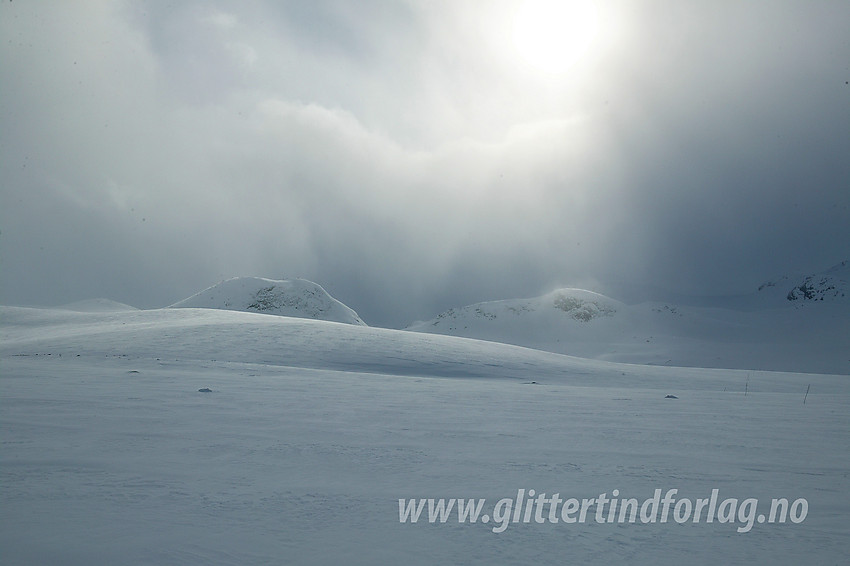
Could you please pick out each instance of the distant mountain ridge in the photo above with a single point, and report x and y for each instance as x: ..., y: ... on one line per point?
x: 576, y: 304
x: 288, y: 297
x: 760, y: 330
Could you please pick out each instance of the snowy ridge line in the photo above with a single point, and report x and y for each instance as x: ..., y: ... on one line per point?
x: 208, y: 336
x: 762, y: 333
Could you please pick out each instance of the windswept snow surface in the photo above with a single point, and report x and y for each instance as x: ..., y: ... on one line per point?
x: 767, y: 331
x: 289, y: 297
x: 314, y: 430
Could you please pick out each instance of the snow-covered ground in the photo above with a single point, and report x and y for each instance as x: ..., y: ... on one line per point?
x: 313, y: 430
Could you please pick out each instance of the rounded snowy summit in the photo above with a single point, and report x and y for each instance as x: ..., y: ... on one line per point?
x: 288, y: 297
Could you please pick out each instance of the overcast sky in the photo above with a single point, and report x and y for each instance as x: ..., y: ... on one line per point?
x: 406, y: 156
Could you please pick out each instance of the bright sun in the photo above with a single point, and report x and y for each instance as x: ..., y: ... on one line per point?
x: 552, y: 35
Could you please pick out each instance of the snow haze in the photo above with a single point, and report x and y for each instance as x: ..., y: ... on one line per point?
x: 404, y: 157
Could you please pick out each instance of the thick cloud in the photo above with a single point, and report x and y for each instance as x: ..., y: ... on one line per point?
x: 402, y: 156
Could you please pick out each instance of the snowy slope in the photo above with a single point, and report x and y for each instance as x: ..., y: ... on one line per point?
x: 831, y: 285
x: 212, y: 334
x: 763, y: 333
x: 313, y: 430
x: 97, y: 305
x: 288, y: 297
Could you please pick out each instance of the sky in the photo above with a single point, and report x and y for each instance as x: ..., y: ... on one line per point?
x: 411, y: 156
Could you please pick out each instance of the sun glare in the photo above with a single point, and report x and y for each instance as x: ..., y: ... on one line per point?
x: 551, y: 35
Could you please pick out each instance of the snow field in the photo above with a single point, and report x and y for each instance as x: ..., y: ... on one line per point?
x: 314, y: 430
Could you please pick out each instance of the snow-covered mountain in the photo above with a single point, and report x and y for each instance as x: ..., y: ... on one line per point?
x: 289, y: 297
x: 548, y: 322
x: 760, y: 331
x: 831, y: 285
x: 576, y: 304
